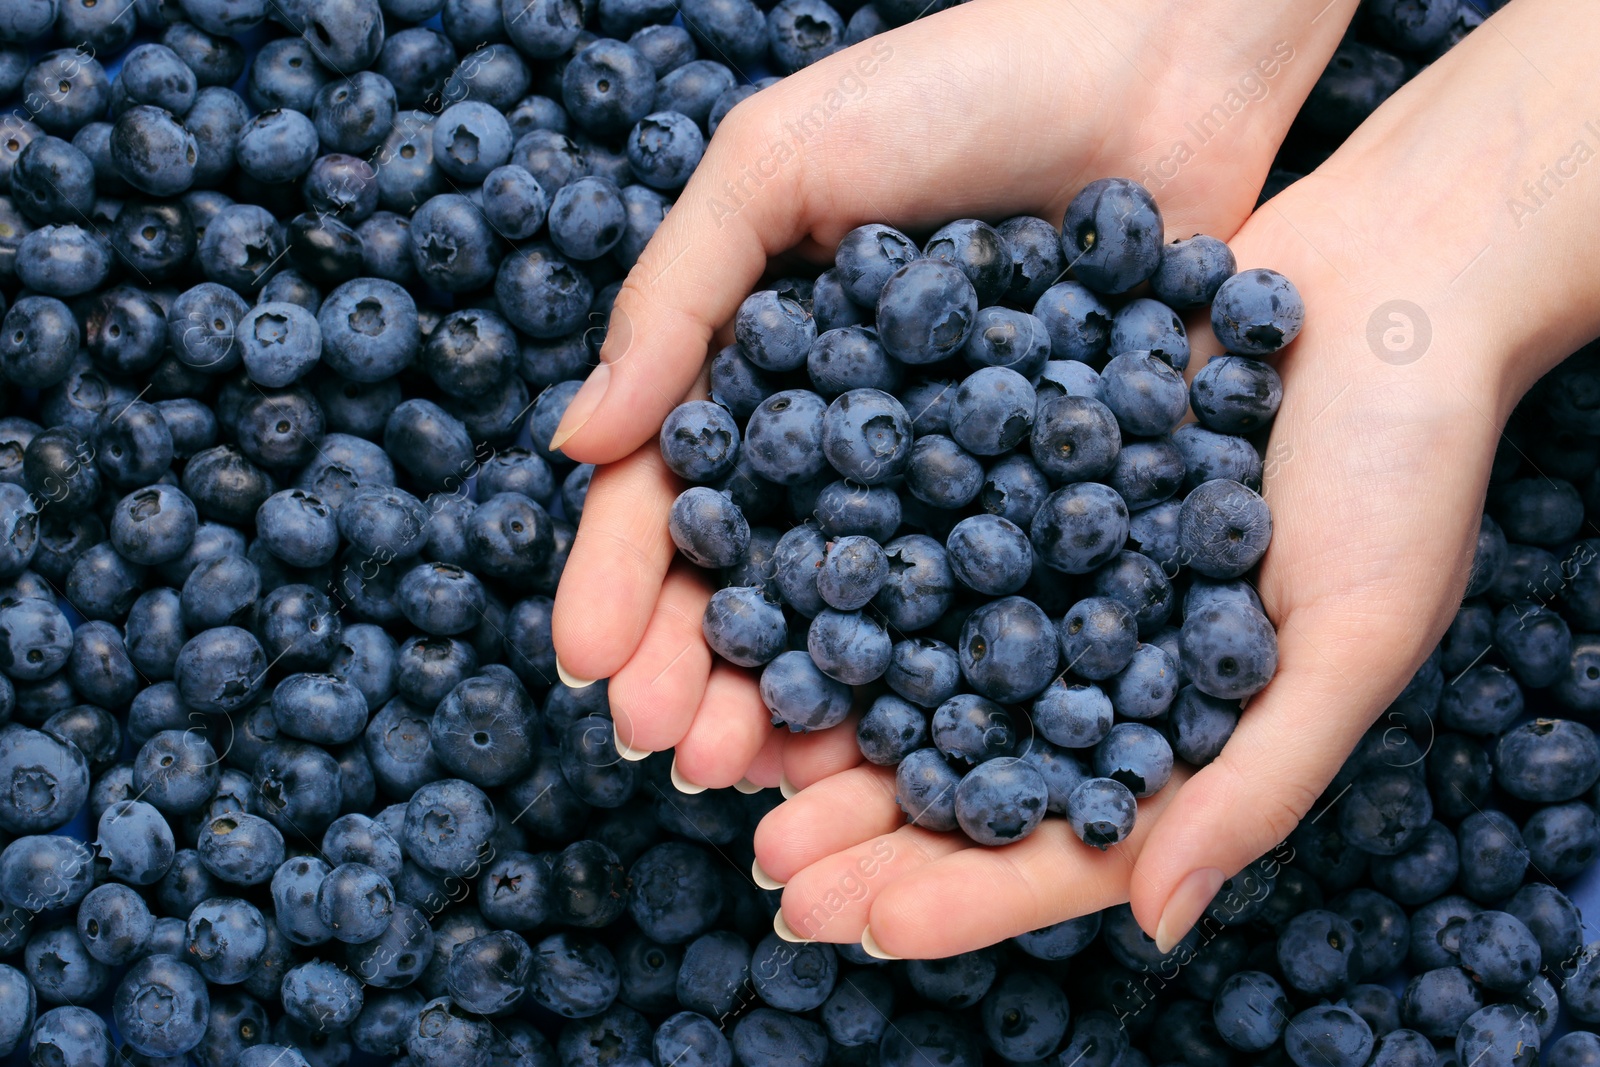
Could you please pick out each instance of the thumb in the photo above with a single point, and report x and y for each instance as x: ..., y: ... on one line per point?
x: 710, y: 250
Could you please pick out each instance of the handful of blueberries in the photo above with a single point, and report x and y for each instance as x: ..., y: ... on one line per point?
x: 1001, y: 520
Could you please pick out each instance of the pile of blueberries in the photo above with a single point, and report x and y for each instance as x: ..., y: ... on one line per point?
x: 294, y: 293
x: 928, y: 486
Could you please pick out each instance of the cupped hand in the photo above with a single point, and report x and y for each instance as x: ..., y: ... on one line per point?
x: 987, y: 110
x: 1395, y: 395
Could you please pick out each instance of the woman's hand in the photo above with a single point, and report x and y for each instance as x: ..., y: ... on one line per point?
x: 1432, y: 306
x: 991, y: 109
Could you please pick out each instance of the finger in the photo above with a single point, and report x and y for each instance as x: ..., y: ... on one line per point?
x: 1289, y: 743
x: 613, y: 576
x: 832, y: 899
x: 979, y: 896
x: 701, y: 262
x: 835, y: 814
x: 655, y: 694
x: 811, y: 757
x: 766, y: 770
x: 729, y: 728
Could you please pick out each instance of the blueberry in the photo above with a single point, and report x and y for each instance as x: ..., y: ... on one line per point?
x: 925, y: 310
x: 1319, y: 953
x: 664, y: 149
x: 153, y: 152
x: 226, y: 939
x: 1080, y: 527
x: 990, y: 554
x: 1250, y: 1011
x: 1191, y: 271
x: 240, y: 848
x: 608, y: 86
x: 161, y: 1006
x: 941, y: 473
x: 849, y: 647
x: 1112, y: 235
x: 1001, y: 801
x: 1577, y: 1049
x: 925, y: 788
x: 321, y: 996
x: 1146, y: 325
x: 1145, y: 394
x: 1547, y: 760
x: 1257, y: 312
x: 1101, y: 811
x: 70, y: 1035
x: 774, y: 332
x: 1008, y: 649
x: 1535, y: 641
x: 866, y: 436
x: 783, y: 439
x: 587, y: 218
x: 1075, y: 439
x: 1228, y: 653
x: 850, y: 357
x: 1147, y: 686
x: 487, y: 974
x: 1236, y: 394
x: 1328, y: 1034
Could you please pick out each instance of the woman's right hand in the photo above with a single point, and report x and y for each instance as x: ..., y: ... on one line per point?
x: 991, y: 109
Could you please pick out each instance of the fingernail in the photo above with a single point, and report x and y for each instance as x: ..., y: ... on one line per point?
x: 626, y: 751
x: 682, y: 784
x: 780, y: 926
x: 570, y: 680
x: 583, y: 406
x: 746, y: 786
x: 762, y: 878
x: 787, y: 788
x: 870, y: 946
x: 1184, y: 908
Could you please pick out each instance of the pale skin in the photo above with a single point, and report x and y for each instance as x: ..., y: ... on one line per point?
x: 1376, y: 468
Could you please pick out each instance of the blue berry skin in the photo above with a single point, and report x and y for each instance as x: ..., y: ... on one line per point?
x: 708, y: 527
x: 941, y: 473
x: 1136, y: 755
x: 1075, y: 439
x: 1319, y: 954
x: 1078, y: 322
x: 783, y: 439
x: 1562, y: 839
x: 1099, y: 637
x: 487, y: 974
x: 70, y: 1035
x: 925, y: 789
x: 240, y: 848
x: 978, y: 250
x: 1073, y: 715
x: 114, y: 924
x: 1257, y: 312
x: 1535, y: 641
x: 355, y: 903
x: 587, y: 218
x: 849, y: 647
x: 714, y: 973
x: 607, y: 87
x: 1577, y: 1049
x: 1147, y: 396
x: 1112, y: 235
x: 1223, y: 528
x: 1493, y: 855
x: 1192, y: 270
x: 867, y: 256
x: 1483, y: 700
x: 135, y: 841
x: 1146, y: 325
x: 1034, y: 250
x: 866, y: 436
x: 1001, y: 801
x: 664, y: 149
x: 447, y: 827
x: 852, y: 572
x: 1499, y: 952
x: 1250, y: 1011
x: 925, y: 312
x: 765, y: 1037
x: 514, y: 202
x: 990, y: 554
x: 970, y: 728
x: 692, y: 1040
x: 891, y: 729
x: 153, y: 152
x: 1008, y: 649
x: 1581, y: 993
x: 1101, y: 811
x: 220, y: 670
x: 573, y: 975
x: 1146, y: 687
x: 850, y: 357
x: 793, y: 978
x: 1236, y: 394
x: 1014, y: 488
x: 1139, y: 583
x: 700, y: 442
x: 320, y: 708
x: 1228, y: 652
x: 1208, y: 455
x: 738, y: 384
x: 744, y: 627
x: 226, y: 939
x: 924, y: 671
x: 802, y: 697
x: 161, y: 1006
x: 1068, y: 377
x: 44, y: 872
x: 279, y: 343
x: 774, y: 332
x: 1062, y: 772
x: 1547, y: 760
x: 541, y: 294
x: 992, y: 411
x: 1199, y: 725
x: 796, y: 560
x: 1080, y: 527
x: 1328, y: 1034
x: 674, y: 893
